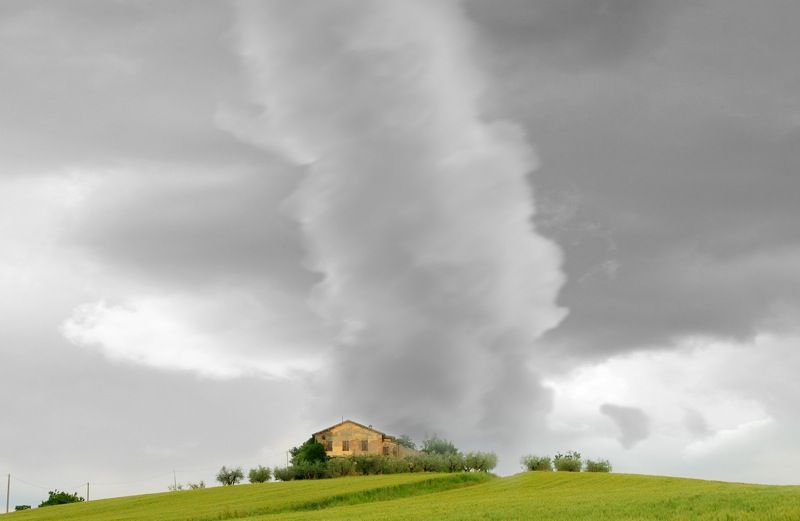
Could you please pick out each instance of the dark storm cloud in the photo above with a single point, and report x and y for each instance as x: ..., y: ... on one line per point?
x: 669, y: 160
x: 318, y: 214
x: 572, y: 33
x: 633, y: 423
x: 446, y: 280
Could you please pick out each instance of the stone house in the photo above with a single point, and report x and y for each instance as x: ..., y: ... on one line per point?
x: 349, y: 438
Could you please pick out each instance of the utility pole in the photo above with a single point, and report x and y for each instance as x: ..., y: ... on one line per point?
x: 287, y: 459
x: 174, y: 480
x: 87, y: 491
x: 8, y: 492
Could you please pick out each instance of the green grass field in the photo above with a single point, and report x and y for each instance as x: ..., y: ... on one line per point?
x: 531, y: 495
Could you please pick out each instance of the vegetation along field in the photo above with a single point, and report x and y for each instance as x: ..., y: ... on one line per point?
x: 530, y: 495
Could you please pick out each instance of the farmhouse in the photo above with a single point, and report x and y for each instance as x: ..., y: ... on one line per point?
x: 349, y: 438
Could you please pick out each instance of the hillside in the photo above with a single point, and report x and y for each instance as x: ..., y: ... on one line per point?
x: 548, y: 496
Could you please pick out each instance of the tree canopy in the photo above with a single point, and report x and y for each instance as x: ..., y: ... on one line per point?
x: 309, y: 452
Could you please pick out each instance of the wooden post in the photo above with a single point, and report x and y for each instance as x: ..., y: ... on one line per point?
x: 8, y: 491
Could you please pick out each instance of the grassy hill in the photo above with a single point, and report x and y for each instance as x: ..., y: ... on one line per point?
x: 531, y: 495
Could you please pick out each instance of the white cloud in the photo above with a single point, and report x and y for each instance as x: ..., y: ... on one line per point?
x: 716, y: 407
x: 220, y: 336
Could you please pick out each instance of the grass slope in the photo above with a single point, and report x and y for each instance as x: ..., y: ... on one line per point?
x: 585, y: 496
x: 531, y: 495
x: 248, y: 500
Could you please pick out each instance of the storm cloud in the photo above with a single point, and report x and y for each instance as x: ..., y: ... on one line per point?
x: 633, y: 423
x: 526, y: 226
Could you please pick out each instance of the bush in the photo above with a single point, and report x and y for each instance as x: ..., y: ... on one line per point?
x: 283, y: 473
x: 569, y: 462
x: 195, y: 486
x: 602, y: 465
x: 230, y: 476
x: 259, y: 474
x: 22, y: 507
x: 56, y: 497
x: 338, y: 467
x: 480, y: 461
x: 316, y: 470
x: 367, y: 464
x: 395, y: 466
x: 537, y: 463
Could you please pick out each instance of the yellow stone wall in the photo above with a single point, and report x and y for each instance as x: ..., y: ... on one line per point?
x: 355, y: 435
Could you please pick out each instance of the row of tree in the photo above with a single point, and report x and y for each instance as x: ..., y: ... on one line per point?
x: 309, y: 461
x: 568, y: 462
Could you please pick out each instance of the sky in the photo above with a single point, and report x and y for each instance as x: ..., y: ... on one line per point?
x: 525, y: 226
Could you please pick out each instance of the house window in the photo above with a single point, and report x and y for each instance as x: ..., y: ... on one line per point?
x: 328, y: 445
x: 345, y: 445
x: 385, y: 450
x: 364, y: 445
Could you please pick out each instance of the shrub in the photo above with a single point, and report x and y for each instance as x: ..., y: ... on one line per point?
x: 338, y: 467
x: 480, y: 461
x: 316, y: 470
x: 259, y: 474
x: 367, y: 464
x: 395, y: 466
x: 56, y: 497
x: 195, y: 486
x: 538, y: 463
x: 602, y: 465
x: 569, y: 462
x: 230, y: 476
x: 283, y: 473
x: 22, y: 507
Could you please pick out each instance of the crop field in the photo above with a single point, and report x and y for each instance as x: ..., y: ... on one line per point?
x: 531, y: 495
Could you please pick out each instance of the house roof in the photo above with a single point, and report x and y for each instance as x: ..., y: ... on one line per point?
x: 369, y: 428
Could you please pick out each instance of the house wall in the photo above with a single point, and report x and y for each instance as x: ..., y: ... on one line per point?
x: 354, y: 434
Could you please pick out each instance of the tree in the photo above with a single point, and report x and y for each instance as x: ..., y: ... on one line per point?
x: 259, y: 474
x: 57, y: 497
x: 309, y: 452
x: 537, y: 463
x: 602, y: 465
x: 436, y: 445
x: 230, y: 476
x: 569, y: 462
x: 406, y: 441
x: 480, y: 461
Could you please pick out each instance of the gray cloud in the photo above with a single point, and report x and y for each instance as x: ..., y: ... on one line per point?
x: 446, y: 279
x: 677, y: 178
x: 696, y: 423
x: 150, y: 195
x: 633, y: 423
